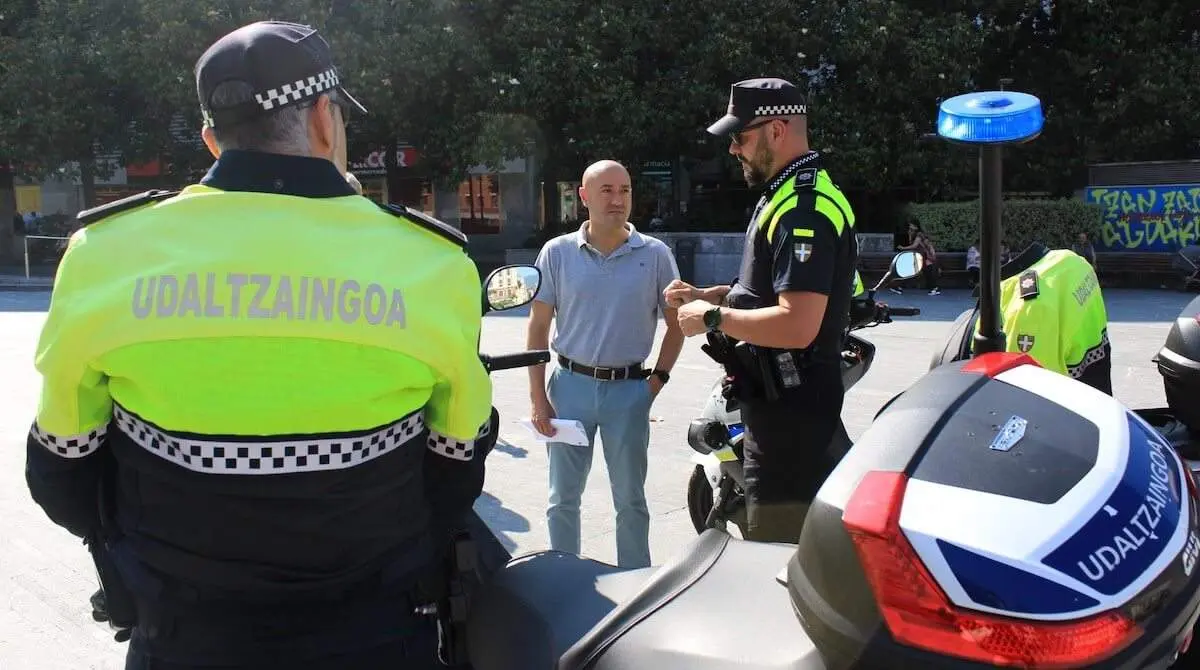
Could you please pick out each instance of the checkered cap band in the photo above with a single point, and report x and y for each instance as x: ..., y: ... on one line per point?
x: 297, y: 90
x: 780, y: 110
x: 269, y: 457
x: 70, y: 446
x: 457, y: 449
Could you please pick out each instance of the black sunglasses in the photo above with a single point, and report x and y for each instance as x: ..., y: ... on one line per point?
x: 736, y: 137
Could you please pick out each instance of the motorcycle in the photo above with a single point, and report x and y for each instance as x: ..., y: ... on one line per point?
x: 994, y: 514
x: 715, y: 489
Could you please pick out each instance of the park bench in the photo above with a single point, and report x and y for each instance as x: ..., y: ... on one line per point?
x: 1139, y: 268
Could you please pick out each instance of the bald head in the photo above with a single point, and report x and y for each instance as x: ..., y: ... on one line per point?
x: 607, y: 193
x: 605, y: 170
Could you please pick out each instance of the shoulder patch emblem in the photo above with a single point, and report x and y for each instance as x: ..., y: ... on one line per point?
x: 1029, y: 285
x: 805, y: 178
x: 1025, y: 342
x: 95, y: 214
x: 429, y: 223
x: 802, y: 251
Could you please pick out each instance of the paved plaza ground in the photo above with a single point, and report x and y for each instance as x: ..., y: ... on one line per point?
x: 46, y: 575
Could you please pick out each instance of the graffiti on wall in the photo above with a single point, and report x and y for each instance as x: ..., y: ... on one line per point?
x: 1148, y: 218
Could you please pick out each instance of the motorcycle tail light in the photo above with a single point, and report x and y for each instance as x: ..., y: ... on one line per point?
x: 920, y: 615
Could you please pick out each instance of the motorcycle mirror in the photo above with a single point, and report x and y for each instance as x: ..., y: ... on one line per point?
x: 907, y: 264
x: 511, y: 286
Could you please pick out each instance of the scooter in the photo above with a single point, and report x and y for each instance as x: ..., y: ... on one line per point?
x: 715, y: 489
x: 995, y: 514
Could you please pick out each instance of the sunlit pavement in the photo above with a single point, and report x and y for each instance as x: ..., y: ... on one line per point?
x: 45, y: 620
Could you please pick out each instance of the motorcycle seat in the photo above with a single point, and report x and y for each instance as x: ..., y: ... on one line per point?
x: 550, y: 605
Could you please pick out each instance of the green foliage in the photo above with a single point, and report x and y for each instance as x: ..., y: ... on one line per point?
x: 481, y: 81
x: 954, y: 226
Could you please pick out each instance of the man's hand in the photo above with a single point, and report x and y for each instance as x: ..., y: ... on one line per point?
x: 691, y: 317
x: 656, y: 385
x: 543, y: 411
x: 679, y: 293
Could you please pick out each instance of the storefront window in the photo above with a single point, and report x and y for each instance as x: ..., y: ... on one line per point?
x: 374, y: 188
x: 479, y: 206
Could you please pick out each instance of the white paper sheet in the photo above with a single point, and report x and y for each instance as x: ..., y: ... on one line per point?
x: 569, y: 431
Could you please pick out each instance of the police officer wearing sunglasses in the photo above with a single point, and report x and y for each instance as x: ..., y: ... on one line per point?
x: 781, y: 322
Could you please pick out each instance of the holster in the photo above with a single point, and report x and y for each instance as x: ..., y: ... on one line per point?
x: 118, y: 607
x: 748, y: 371
x: 452, y: 590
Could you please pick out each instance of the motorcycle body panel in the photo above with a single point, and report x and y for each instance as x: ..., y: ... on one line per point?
x: 718, y: 600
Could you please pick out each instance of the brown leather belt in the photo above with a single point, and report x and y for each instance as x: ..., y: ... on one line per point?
x: 604, y: 374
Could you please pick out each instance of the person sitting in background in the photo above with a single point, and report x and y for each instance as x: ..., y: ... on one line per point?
x: 1083, y: 247
x: 973, y: 265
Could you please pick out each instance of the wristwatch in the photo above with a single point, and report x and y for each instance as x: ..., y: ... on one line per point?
x: 663, y: 375
x: 712, y: 319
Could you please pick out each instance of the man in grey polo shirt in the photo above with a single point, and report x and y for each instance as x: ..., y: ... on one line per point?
x: 603, y: 287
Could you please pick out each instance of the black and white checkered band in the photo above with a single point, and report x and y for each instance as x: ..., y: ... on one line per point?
x: 780, y: 110
x: 456, y: 449
x: 791, y: 169
x: 72, y: 446
x: 297, y: 90
x: 266, y: 456
x: 1090, y: 357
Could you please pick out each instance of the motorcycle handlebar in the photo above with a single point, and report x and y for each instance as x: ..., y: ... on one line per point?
x: 523, y: 359
x: 904, y: 311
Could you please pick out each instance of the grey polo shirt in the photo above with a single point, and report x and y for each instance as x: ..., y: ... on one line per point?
x: 606, y: 308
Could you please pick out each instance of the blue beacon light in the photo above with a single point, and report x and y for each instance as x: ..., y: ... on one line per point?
x: 990, y: 119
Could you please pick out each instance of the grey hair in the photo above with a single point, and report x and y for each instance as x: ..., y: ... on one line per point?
x: 282, y: 132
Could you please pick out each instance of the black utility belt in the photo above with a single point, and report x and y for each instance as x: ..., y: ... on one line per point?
x: 767, y: 373
x: 635, y: 371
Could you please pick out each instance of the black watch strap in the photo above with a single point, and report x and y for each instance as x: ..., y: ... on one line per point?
x: 663, y: 375
x: 712, y: 319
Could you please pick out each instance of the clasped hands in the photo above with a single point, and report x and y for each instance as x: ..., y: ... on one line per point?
x: 692, y: 303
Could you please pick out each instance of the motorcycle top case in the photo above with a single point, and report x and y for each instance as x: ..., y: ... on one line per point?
x: 1179, y: 364
x: 1026, y: 496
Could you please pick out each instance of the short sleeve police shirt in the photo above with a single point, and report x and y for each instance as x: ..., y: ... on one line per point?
x: 803, y: 250
x: 798, y: 250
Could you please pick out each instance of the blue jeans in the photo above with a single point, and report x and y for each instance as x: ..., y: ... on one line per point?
x: 621, y: 412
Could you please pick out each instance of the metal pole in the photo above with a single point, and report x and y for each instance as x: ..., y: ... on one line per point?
x: 25, y: 243
x: 991, y: 163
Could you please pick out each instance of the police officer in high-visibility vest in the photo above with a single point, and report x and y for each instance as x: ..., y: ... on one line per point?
x: 1052, y: 308
x: 787, y: 310
x: 262, y: 398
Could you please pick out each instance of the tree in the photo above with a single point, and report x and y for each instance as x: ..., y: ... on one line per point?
x: 883, y: 67
x: 1117, y: 80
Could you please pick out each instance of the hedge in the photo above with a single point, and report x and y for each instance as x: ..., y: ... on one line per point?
x: 954, y: 226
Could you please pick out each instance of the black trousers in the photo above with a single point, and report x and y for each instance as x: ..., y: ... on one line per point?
x: 790, y: 447
x: 417, y: 651
x: 363, y: 630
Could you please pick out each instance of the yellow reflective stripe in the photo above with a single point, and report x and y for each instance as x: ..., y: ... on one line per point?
x: 802, y: 232
x: 832, y: 212
x: 783, y: 209
x: 768, y: 213
x: 826, y: 187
